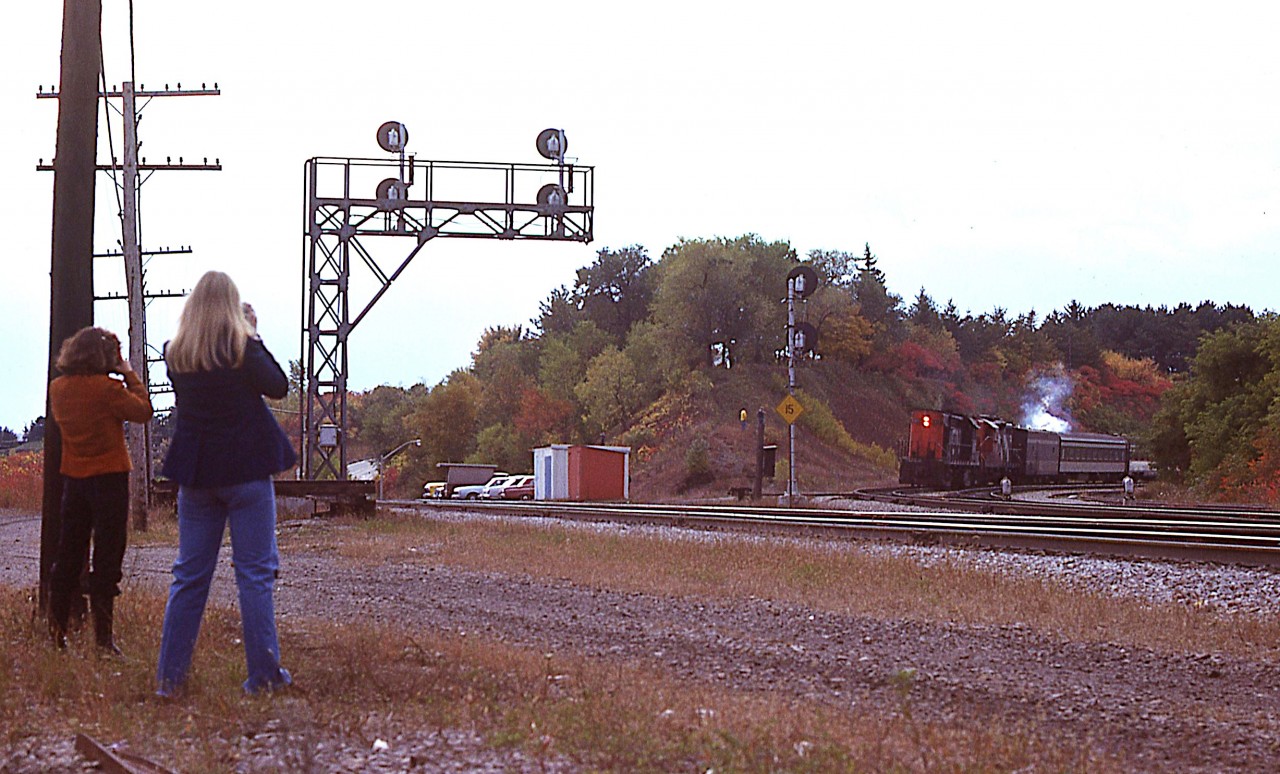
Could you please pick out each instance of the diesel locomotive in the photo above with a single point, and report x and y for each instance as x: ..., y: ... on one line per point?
x: 955, y: 451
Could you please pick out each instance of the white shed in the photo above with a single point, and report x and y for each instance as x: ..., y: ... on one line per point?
x: 551, y: 472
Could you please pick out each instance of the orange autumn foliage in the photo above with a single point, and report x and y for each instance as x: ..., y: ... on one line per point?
x: 22, y: 480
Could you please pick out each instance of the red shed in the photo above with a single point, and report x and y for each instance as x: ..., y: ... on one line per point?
x: 599, y: 472
x: 577, y: 472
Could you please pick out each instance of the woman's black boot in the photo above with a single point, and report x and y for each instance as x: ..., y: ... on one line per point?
x: 102, y: 610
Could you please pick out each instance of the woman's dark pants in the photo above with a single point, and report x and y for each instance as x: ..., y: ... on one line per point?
x: 93, y: 509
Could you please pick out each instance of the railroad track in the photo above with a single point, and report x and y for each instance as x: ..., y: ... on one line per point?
x: 1180, y: 533
x: 1064, y: 501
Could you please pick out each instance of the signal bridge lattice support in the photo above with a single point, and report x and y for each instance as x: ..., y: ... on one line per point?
x: 353, y: 203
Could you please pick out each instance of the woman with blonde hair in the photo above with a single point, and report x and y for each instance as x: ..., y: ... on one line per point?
x: 226, y: 447
x: 90, y: 408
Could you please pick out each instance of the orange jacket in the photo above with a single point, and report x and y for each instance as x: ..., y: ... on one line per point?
x: 90, y: 412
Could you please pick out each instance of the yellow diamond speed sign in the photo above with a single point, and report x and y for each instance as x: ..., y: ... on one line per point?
x: 790, y: 409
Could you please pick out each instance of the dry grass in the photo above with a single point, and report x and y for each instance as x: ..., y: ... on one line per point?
x: 362, y: 683
x: 45, y: 692
x: 162, y: 528
x: 824, y: 575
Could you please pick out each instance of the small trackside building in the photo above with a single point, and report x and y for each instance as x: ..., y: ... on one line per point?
x: 464, y: 474
x: 581, y: 472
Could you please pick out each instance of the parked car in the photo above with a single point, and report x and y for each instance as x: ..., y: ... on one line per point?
x: 522, y: 490
x: 472, y: 491
x: 497, y: 490
x: 432, y: 490
x: 494, y: 491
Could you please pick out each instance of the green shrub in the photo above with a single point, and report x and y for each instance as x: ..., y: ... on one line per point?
x: 819, y: 420
x: 697, y: 464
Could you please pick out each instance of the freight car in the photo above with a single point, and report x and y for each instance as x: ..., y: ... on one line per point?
x: 954, y: 451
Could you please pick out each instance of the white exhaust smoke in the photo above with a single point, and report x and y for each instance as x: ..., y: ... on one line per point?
x: 1045, y: 405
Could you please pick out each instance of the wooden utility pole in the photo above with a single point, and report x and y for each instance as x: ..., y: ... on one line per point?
x: 139, y: 434
x: 71, y: 273
x: 129, y: 183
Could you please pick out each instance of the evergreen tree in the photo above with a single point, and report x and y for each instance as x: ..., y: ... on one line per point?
x: 34, y: 431
x: 875, y: 303
x: 924, y: 313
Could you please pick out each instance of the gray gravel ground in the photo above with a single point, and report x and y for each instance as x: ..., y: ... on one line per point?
x: 1162, y: 712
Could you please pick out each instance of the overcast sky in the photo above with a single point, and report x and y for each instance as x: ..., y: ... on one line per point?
x: 996, y: 154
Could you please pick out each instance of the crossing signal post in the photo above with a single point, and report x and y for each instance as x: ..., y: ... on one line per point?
x: 802, y: 338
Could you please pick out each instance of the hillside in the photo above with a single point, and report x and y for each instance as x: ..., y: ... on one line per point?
x: 697, y: 448
x: 661, y: 356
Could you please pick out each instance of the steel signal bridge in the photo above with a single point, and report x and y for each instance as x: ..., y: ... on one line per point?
x: 355, y: 204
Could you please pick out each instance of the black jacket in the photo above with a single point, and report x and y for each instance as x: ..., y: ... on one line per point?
x: 225, y: 433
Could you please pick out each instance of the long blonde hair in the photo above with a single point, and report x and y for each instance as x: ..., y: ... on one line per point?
x: 212, y: 330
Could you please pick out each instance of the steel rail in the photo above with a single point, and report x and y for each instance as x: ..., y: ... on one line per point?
x: 1205, y: 541
x: 116, y: 761
x: 988, y: 501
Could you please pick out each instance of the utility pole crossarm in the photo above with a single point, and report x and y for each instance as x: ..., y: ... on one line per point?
x: 161, y: 251
x: 142, y: 91
x: 143, y: 166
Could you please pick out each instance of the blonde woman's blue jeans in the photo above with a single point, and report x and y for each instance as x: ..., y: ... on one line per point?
x: 250, y: 511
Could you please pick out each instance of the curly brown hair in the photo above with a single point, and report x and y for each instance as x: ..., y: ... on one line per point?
x: 89, y: 351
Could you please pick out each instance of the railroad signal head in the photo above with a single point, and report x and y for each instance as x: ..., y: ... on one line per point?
x: 393, y: 137
x: 805, y: 338
x: 552, y: 144
x: 392, y: 194
x: 803, y: 280
x: 552, y: 196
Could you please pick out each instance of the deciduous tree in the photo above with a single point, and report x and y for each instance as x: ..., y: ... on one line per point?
x: 609, y: 394
x: 835, y: 268
x: 446, y: 418
x: 499, y: 444
x: 616, y: 290
x: 563, y: 358
x: 846, y: 336
x: 718, y: 299
x: 1223, y: 409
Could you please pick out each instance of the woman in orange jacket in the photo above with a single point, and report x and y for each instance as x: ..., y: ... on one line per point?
x: 91, y: 407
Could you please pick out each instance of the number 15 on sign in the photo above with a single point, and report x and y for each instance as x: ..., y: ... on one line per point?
x: 790, y: 409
